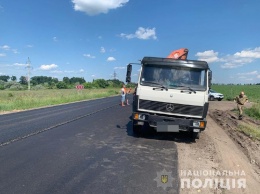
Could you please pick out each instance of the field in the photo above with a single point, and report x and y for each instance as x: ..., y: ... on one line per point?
x: 230, y: 91
x: 251, y: 91
x: 21, y: 100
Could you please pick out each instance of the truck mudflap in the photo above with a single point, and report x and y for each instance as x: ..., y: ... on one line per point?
x: 173, y: 124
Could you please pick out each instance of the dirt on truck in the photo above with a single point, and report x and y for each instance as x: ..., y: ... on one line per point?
x: 224, y: 160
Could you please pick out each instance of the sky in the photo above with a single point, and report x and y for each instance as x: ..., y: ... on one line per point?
x: 96, y: 39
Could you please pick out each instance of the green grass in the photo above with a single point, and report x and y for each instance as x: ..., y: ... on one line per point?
x: 251, y: 91
x: 254, y: 111
x: 252, y: 132
x: 231, y: 91
x: 21, y: 100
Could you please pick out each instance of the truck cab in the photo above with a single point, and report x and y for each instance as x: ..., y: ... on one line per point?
x: 171, y: 95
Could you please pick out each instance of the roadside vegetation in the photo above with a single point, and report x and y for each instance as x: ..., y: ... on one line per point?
x: 46, y: 91
x: 250, y: 131
x: 230, y: 91
x: 254, y: 111
x: 253, y: 94
x: 21, y: 100
x: 251, y: 91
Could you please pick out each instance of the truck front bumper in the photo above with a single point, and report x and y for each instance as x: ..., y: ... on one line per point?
x: 169, y: 124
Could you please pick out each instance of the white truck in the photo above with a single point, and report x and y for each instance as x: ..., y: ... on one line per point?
x: 171, y: 94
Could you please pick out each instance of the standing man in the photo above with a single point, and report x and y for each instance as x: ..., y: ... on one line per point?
x: 123, y: 93
x: 127, y: 95
x: 241, y: 99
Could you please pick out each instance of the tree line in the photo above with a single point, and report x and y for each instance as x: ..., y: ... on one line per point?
x: 45, y: 82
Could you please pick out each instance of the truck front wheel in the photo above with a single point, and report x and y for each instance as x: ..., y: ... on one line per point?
x: 137, y: 129
x: 195, y: 135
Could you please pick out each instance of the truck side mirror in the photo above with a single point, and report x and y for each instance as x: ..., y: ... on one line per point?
x: 210, y: 78
x: 128, y: 73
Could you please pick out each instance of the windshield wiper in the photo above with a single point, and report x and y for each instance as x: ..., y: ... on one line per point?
x: 185, y: 87
x: 189, y: 88
x: 162, y: 87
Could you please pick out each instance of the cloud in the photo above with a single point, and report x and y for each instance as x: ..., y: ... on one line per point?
x: 119, y: 67
x: 255, y: 53
x: 230, y: 65
x: 5, y: 47
x: 57, y: 72
x: 55, y: 39
x: 48, y: 67
x: 141, y: 33
x: 15, y: 51
x: 89, y: 56
x: 29, y: 46
x: 111, y: 59
x: 209, y: 56
x: 95, y: 7
x: 102, y: 50
x: 67, y: 71
x: 20, y: 64
x: 230, y: 61
x: 249, y: 73
x: 2, y: 54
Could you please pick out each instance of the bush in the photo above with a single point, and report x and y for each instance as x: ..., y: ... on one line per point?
x: 16, y: 87
x: 2, y: 85
x: 88, y: 85
x: 61, y: 85
x: 100, y: 83
x: 13, y: 85
x: 38, y: 87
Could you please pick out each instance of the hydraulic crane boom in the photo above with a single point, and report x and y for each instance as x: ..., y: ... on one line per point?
x: 179, y: 54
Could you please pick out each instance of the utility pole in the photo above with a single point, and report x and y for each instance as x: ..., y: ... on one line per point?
x: 28, y: 72
x: 114, y: 75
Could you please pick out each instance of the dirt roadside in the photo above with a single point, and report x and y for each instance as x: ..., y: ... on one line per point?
x: 223, y: 160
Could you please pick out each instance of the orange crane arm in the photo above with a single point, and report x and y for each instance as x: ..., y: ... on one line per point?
x: 179, y: 54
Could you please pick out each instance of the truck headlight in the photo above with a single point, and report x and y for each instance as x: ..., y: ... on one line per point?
x: 139, y: 116
x: 200, y: 124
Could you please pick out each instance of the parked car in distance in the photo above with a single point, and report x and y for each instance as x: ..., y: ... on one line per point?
x: 213, y: 95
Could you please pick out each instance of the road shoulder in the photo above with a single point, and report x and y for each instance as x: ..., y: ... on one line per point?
x: 217, y: 157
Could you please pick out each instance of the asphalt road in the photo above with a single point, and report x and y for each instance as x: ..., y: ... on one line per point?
x: 84, y: 147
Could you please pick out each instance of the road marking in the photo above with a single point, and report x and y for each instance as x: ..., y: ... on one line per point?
x: 54, y: 126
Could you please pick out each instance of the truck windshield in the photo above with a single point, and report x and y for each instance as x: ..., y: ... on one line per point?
x: 173, y: 77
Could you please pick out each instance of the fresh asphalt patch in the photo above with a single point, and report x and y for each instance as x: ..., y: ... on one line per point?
x: 93, y: 153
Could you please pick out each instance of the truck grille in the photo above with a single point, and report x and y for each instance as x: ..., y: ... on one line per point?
x: 174, y: 108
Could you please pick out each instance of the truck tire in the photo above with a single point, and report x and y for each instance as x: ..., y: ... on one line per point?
x: 137, y: 129
x: 211, y: 98
x: 195, y: 135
